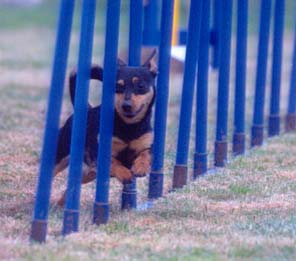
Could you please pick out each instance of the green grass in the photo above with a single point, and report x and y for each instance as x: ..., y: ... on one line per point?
x: 191, y: 224
x: 240, y: 190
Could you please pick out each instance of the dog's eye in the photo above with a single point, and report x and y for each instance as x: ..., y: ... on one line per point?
x: 141, y: 88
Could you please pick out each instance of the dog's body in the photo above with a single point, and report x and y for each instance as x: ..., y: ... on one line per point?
x: 132, y: 132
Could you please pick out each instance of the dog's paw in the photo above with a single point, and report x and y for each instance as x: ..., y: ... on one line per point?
x: 123, y: 174
x: 141, y: 167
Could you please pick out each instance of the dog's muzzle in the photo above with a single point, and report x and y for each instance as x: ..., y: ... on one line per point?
x: 127, y: 109
x: 127, y: 106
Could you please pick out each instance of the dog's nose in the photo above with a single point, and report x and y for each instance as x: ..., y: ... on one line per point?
x: 127, y: 106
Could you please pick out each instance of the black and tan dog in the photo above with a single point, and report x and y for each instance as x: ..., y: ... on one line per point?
x: 132, y: 133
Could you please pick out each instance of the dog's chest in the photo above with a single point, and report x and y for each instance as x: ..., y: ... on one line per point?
x: 135, y: 145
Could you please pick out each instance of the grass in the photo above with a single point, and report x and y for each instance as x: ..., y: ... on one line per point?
x: 194, y: 223
x: 243, y: 211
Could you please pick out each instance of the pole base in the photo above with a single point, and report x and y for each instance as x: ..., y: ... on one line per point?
x: 180, y: 176
x: 274, y: 125
x: 101, y: 213
x: 257, y: 135
x: 155, y: 185
x: 39, y: 231
x: 290, y: 122
x: 220, y: 153
x: 238, y: 145
x: 129, y: 196
x: 71, y: 221
x: 200, y: 164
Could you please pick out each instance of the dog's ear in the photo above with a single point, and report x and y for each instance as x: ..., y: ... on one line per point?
x: 151, y: 64
x: 120, y: 62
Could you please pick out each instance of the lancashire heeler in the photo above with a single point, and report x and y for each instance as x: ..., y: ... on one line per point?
x: 132, y: 134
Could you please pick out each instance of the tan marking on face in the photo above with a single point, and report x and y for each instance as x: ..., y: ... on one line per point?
x: 142, y: 143
x: 120, y: 82
x: 118, y: 145
x: 119, y: 98
x: 135, y: 80
x: 139, y: 102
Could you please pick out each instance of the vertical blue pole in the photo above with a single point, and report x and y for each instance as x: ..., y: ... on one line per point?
x: 101, y: 204
x: 215, y: 35
x: 39, y: 224
x: 200, y: 155
x: 156, y: 175
x: 192, y: 48
x: 240, y: 78
x: 274, y: 116
x: 151, y: 28
x: 129, y: 193
x: 71, y: 212
x: 135, y: 34
x: 291, y: 114
x: 258, y: 113
x: 223, y: 87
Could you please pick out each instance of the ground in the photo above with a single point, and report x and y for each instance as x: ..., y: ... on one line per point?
x: 243, y: 211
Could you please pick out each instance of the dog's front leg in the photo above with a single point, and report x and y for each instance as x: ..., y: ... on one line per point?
x: 142, y: 164
x: 120, y: 172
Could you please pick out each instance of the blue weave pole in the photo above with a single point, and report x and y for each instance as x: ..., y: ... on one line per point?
x: 238, y: 144
x: 129, y: 193
x: 192, y: 49
x: 200, y: 155
x: 151, y: 26
x: 135, y: 33
x: 223, y: 85
x: 101, y: 204
x: 291, y: 114
x: 39, y: 224
x: 156, y: 175
x: 258, y: 113
x: 274, y: 114
x: 215, y: 35
x: 71, y: 212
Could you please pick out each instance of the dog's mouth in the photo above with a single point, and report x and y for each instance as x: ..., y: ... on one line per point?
x: 131, y: 115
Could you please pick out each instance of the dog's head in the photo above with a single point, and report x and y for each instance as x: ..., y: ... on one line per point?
x: 135, y: 90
